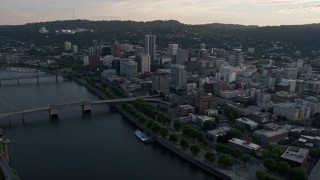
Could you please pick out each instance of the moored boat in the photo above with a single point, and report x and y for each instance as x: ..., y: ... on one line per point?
x: 144, y: 137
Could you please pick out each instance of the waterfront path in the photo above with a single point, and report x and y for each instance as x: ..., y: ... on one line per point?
x: 8, y: 172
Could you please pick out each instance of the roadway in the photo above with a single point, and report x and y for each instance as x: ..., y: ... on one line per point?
x: 81, y: 103
x: 25, y: 77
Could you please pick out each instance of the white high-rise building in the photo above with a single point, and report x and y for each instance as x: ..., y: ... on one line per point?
x: 67, y: 45
x: 43, y: 30
x: 144, y: 63
x: 178, y: 76
x: 172, y: 49
x: 85, y: 61
x: 150, y: 46
x: 236, y: 59
x: 75, y: 49
x: 182, y: 56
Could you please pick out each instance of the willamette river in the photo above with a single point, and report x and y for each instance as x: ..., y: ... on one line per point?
x: 99, y: 146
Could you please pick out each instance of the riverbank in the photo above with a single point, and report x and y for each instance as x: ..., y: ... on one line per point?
x: 158, y: 139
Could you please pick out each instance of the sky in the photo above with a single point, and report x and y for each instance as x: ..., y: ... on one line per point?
x: 247, y: 12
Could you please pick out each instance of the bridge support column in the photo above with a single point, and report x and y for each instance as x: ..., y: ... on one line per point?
x: 37, y: 77
x: 18, y: 81
x: 112, y: 107
x: 86, y: 108
x: 53, y: 112
x: 0, y: 82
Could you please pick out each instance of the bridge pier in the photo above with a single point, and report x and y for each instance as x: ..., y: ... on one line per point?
x: 112, y: 107
x: 18, y: 81
x: 53, y: 112
x: 0, y: 82
x: 37, y: 77
x: 86, y: 108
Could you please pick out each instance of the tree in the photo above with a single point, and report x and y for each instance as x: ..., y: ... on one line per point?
x: 209, y: 156
x: 173, y: 138
x: 283, y: 167
x: 226, y: 160
x: 234, y: 133
x: 294, y: 135
x: 199, y: 136
x: 164, y: 132
x: 245, y: 158
x: 263, y: 176
x: 184, y: 144
x: 297, y: 173
x: 156, y: 127
x: 177, y: 124
x: 209, y: 125
x: 195, y: 149
x: 270, y: 164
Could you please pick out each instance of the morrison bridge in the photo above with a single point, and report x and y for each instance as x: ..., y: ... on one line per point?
x: 85, y: 106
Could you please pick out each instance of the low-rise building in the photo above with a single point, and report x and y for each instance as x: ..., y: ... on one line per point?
x: 311, y: 102
x: 292, y: 111
x: 246, y: 123
x: 295, y: 156
x: 184, y: 110
x: 260, y: 117
x: 201, y: 119
x: 227, y: 94
x: 210, y: 112
x: 202, y: 101
x: 245, y: 146
x: 216, y: 133
x: 109, y: 74
x: 283, y: 96
x: 270, y: 133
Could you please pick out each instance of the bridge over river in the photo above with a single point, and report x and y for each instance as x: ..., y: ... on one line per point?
x: 31, y: 76
x: 86, y: 106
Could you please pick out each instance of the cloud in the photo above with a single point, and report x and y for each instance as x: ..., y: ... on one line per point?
x: 300, y: 10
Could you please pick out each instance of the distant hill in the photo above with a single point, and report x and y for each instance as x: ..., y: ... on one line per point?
x: 303, y: 36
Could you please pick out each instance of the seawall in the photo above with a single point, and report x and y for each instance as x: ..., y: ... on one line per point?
x: 158, y: 139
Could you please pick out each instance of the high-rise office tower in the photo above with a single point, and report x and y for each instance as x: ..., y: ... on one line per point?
x: 144, y: 63
x: 182, y: 56
x: 128, y: 68
x: 172, y: 50
x: 160, y: 81
x: 178, y: 76
x: 150, y: 46
x: 236, y: 59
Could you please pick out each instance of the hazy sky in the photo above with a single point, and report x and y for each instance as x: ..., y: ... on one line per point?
x: 253, y: 12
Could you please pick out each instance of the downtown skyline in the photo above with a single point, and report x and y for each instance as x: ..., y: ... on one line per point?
x: 246, y: 12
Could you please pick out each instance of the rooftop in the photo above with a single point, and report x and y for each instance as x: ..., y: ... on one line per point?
x: 271, y: 133
x: 187, y: 106
x: 245, y: 144
x: 290, y: 105
x: 247, y: 121
x: 219, y: 131
x: 295, y: 154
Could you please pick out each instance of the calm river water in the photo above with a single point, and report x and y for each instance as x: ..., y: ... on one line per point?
x: 99, y: 146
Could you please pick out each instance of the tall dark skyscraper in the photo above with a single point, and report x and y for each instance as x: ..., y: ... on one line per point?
x: 150, y: 46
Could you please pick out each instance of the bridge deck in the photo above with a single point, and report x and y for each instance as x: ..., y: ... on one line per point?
x: 2, y: 115
x: 25, y: 77
x: 81, y: 103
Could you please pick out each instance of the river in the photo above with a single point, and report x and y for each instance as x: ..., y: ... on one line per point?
x: 98, y: 146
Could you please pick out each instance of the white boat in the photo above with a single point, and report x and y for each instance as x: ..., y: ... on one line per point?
x: 143, y: 136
